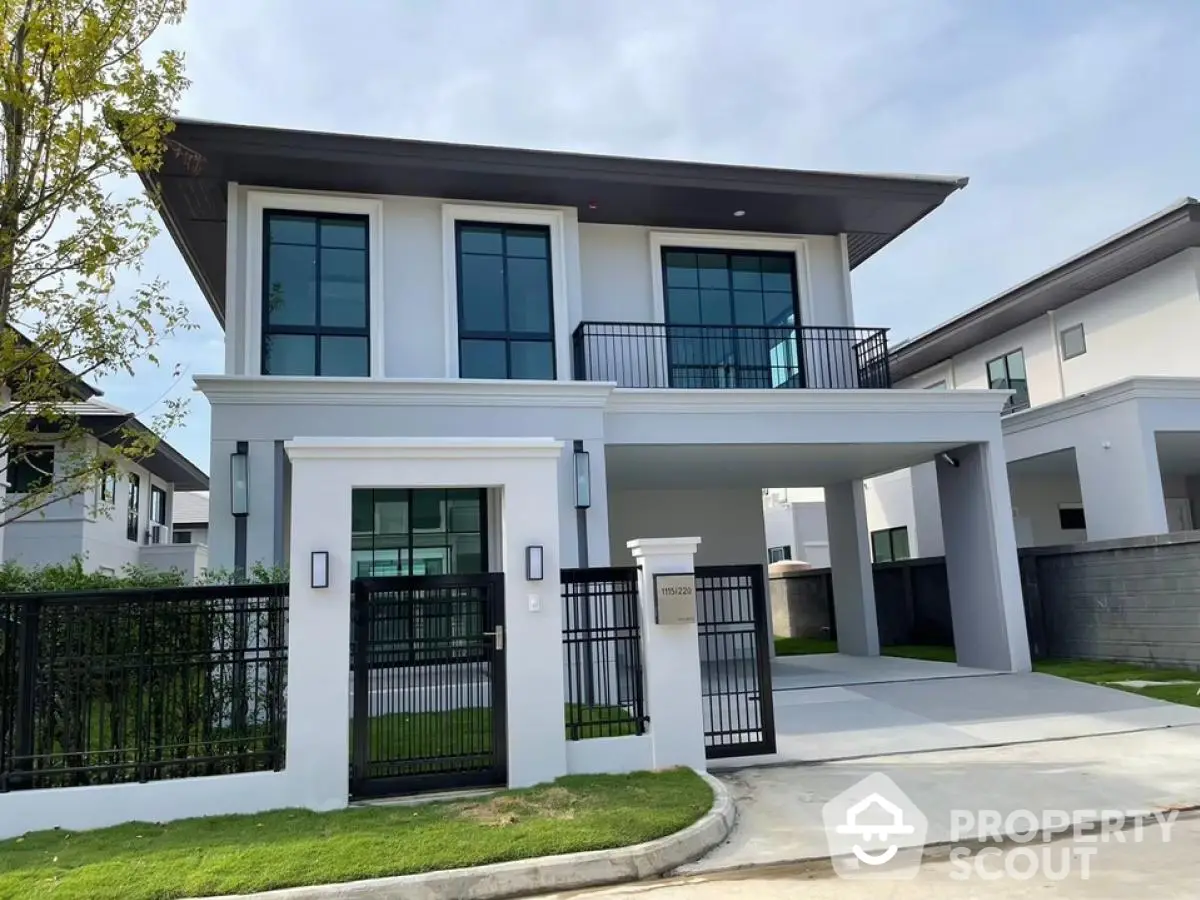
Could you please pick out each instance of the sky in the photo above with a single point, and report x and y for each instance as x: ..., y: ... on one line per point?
x: 1073, y: 119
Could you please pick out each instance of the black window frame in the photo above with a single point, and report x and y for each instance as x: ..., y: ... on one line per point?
x: 316, y: 331
x: 709, y: 336
x: 26, y: 476
x: 178, y: 534
x: 108, y: 484
x: 160, y: 495
x: 1020, y: 398
x: 1062, y: 341
x: 774, y: 555
x: 1071, y: 510
x: 891, y: 533
x: 133, y: 508
x: 506, y: 336
x: 445, y: 527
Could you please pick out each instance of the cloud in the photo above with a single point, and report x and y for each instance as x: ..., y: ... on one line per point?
x: 1069, y: 117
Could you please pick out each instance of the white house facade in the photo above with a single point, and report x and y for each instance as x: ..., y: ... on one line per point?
x: 1102, y: 435
x: 126, y: 520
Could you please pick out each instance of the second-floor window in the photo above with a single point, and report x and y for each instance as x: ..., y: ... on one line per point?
x: 730, y: 318
x: 778, y: 554
x: 108, y: 484
x: 1007, y: 373
x: 315, y: 295
x: 505, y: 301
x: 135, y: 503
x: 30, y: 469
x: 158, y: 513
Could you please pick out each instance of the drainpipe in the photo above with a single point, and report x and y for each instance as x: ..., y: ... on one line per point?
x: 1062, y: 390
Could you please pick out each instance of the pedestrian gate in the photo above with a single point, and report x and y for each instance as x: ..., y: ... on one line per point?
x: 427, y: 668
x: 735, y: 661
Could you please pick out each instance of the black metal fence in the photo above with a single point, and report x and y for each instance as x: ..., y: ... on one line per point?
x: 140, y: 685
x: 643, y: 355
x: 602, y: 653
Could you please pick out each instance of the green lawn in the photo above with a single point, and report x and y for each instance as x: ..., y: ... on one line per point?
x: 288, y: 848
x: 1090, y: 671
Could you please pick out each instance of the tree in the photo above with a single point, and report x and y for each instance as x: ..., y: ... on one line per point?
x: 83, y: 109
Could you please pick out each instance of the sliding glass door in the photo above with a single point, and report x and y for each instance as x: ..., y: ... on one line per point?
x: 731, y: 319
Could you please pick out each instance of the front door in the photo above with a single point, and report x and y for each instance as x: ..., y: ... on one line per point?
x: 428, y: 683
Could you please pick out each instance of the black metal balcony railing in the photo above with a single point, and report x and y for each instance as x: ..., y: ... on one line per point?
x: 641, y: 355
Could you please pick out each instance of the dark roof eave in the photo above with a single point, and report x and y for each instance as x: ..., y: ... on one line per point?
x: 206, y: 157
x: 165, y: 462
x: 1142, y: 245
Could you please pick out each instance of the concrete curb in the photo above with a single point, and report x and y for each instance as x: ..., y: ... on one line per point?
x: 541, y: 874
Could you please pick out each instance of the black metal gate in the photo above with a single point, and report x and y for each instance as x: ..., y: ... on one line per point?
x: 735, y: 660
x: 427, y: 660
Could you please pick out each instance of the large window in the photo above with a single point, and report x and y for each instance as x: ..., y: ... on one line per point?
x: 743, y: 309
x: 131, y: 513
x: 419, y: 532
x: 890, y: 544
x: 1007, y: 373
x: 30, y: 469
x: 505, y: 301
x: 315, y: 295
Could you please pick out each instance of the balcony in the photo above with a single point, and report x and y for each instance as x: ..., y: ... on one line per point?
x: 644, y: 355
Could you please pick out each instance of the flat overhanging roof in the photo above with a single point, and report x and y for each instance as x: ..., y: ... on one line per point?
x: 203, y: 157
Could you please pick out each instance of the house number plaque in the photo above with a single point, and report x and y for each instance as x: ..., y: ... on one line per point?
x: 675, y: 599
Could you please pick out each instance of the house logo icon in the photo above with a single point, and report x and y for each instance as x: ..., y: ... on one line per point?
x: 874, y: 830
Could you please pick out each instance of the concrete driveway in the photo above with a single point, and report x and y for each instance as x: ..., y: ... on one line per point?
x: 830, y: 706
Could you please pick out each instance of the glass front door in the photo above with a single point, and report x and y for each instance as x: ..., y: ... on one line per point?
x: 731, y: 318
x: 403, y: 531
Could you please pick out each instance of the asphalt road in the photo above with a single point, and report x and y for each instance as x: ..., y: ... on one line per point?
x: 1126, y: 869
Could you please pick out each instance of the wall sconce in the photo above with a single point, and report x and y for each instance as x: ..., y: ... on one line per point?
x: 239, y: 480
x: 534, y: 569
x: 320, y: 569
x: 583, y: 480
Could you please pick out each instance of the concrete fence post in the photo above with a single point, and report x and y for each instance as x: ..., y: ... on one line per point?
x: 673, y: 677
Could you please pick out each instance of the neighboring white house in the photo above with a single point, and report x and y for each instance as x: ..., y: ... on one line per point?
x: 126, y: 520
x: 685, y: 330
x: 1102, y: 434
x: 190, y: 518
x: 795, y: 525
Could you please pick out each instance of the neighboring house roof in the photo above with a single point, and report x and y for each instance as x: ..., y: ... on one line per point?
x: 1138, y: 247
x: 190, y: 509
x: 79, y: 388
x: 105, y: 421
x: 203, y: 157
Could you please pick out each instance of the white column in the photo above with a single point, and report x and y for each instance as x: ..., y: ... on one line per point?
x: 850, y: 565
x: 981, y: 559
x: 318, y: 689
x: 1120, y: 481
x: 671, y: 660
x: 533, y: 656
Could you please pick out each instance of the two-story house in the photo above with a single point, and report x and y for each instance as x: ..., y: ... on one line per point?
x: 1102, y: 433
x: 125, y: 520
x: 685, y: 331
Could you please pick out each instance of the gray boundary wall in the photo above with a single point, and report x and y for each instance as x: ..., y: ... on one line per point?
x: 1133, y: 600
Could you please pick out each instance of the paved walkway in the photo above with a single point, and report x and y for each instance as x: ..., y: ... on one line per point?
x: 779, y: 808
x: 829, y: 706
x: 1152, y: 868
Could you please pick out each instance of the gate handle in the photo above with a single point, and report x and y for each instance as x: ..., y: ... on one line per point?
x: 498, y: 634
